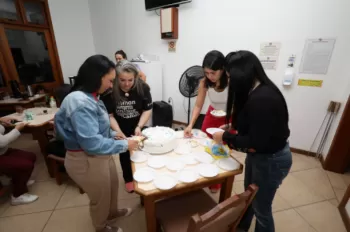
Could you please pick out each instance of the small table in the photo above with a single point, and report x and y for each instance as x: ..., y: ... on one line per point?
x: 38, y: 127
x: 150, y: 194
x: 11, y: 103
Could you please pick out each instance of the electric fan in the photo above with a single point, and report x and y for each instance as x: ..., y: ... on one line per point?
x: 189, y: 83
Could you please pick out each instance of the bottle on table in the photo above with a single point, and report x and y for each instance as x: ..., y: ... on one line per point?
x: 53, y: 102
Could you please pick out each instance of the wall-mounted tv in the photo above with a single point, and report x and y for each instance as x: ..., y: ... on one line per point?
x: 156, y: 4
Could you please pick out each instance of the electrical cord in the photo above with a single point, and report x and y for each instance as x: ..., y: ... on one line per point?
x: 157, y: 13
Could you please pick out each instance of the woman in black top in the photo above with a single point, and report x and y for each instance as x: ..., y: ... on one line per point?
x: 260, y: 115
x: 130, y: 107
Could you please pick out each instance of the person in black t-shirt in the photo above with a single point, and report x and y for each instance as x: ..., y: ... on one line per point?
x: 260, y: 116
x: 130, y: 107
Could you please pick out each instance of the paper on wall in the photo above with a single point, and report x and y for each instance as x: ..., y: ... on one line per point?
x: 269, y: 53
x: 317, y: 56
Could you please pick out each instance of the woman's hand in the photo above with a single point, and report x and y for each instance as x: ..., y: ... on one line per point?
x: 120, y: 136
x: 20, y: 126
x: 137, y: 131
x: 132, y: 145
x: 217, y: 137
x: 6, y: 121
x: 224, y: 127
x: 188, y: 132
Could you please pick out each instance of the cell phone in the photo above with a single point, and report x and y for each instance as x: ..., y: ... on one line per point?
x: 14, y: 121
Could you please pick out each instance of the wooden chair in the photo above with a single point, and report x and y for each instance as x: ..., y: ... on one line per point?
x: 198, y: 212
x: 56, y: 162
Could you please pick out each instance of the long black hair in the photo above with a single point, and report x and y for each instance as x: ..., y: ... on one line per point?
x: 215, y: 60
x: 245, y: 69
x: 91, y: 72
x: 122, y: 53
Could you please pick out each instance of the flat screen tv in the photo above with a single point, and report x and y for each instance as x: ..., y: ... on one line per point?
x: 156, y: 4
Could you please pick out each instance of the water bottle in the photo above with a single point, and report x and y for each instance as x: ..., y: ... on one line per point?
x: 52, y: 102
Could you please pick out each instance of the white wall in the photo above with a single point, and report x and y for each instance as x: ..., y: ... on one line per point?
x: 229, y: 25
x: 73, y: 33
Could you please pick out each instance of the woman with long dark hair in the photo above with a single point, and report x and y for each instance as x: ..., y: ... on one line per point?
x: 215, y: 86
x: 130, y: 107
x: 83, y: 123
x: 260, y: 115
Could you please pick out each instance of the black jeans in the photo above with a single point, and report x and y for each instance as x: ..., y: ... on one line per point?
x: 126, y: 166
x: 267, y: 171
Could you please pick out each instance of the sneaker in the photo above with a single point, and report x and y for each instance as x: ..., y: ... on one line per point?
x: 30, y: 182
x: 110, y: 229
x: 129, y: 187
x: 23, y: 199
x: 215, y: 188
x: 121, y: 213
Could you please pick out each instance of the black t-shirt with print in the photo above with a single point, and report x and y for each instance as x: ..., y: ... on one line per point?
x: 128, y: 111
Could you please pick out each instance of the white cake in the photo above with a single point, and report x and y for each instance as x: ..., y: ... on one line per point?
x: 159, y: 140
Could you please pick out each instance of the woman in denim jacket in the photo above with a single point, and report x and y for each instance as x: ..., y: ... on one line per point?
x: 83, y: 123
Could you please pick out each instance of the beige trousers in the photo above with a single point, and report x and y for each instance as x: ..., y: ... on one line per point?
x: 97, y: 176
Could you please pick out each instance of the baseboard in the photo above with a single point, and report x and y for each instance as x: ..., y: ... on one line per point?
x: 303, y: 152
x: 179, y: 123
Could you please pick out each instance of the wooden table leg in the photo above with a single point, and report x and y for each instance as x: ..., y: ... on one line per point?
x: 226, y: 189
x: 39, y: 134
x: 142, y: 200
x: 150, y: 209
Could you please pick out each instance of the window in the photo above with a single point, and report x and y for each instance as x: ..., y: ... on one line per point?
x: 34, y: 12
x: 29, y: 52
x: 8, y: 10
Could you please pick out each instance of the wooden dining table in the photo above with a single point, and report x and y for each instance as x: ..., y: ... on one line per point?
x: 149, y: 194
x: 38, y: 127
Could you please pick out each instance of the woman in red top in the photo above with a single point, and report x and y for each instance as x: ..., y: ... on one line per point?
x: 214, y: 85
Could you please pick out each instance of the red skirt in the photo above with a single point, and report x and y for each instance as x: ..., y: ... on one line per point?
x: 212, y: 121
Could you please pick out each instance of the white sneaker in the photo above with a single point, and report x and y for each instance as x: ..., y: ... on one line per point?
x: 30, y: 182
x: 23, y: 199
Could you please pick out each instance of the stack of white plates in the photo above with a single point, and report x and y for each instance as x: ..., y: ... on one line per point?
x: 208, y: 170
x: 139, y: 156
x: 175, y: 165
x: 228, y: 164
x: 203, y: 157
x: 189, y: 159
x: 157, y: 161
x: 188, y: 175
x: 165, y: 181
x: 144, y: 175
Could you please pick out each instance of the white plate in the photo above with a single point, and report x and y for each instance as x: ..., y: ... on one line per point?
x: 183, y: 149
x: 228, y: 164
x: 187, y: 176
x: 203, y: 157
x: 144, y: 175
x: 208, y: 170
x: 204, y: 142
x: 165, y: 182
x: 156, y: 162
x: 139, y: 157
x: 189, y: 159
x: 199, y: 134
x: 213, y: 130
x: 218, y: 113
x: 175, y: 165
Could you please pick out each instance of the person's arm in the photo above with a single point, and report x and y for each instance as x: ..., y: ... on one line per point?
x: 202, y: 91
x: 116, y: 132
x: 89, y: 138
x: 261, y: 119
x: 142, y: 75
x: 145, y: 116
x: 147, y: 107
x: 8, y: 138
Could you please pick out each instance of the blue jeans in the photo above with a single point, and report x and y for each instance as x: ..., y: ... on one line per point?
x: 266, y: 171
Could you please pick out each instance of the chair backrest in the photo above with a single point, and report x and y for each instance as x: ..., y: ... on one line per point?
x: 61, y: 92
x: 225, y: 216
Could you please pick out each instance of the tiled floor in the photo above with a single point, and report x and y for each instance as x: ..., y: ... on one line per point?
x: 306, y: 201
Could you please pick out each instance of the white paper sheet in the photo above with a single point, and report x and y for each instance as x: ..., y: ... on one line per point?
x: 317, y: 56
x: 268, y: 55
